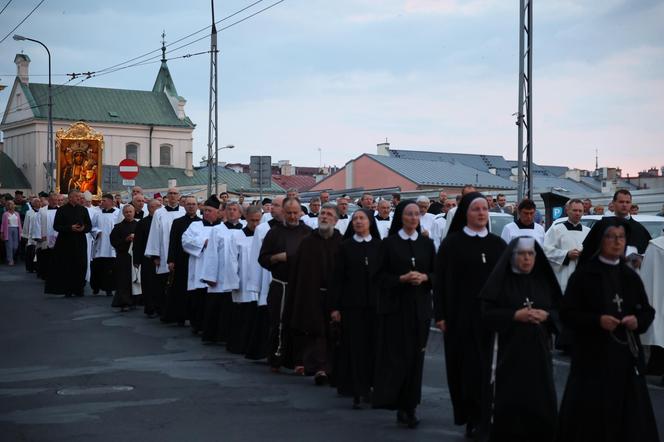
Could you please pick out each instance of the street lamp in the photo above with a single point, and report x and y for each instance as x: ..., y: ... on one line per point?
x: 215, y: 158
x: 50, y: 154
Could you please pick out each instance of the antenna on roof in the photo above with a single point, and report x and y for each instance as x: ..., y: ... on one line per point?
x: 596, y: 159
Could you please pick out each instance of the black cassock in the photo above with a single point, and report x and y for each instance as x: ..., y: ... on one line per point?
x: 122, y: 267
x: 606, y: 397
x: 463, y: 265
x: 354, y: 294
x: 148, y: 269
x: 404, y: 316
x: 520, y: 403
x: 176, y: 297
x: 69, y: 263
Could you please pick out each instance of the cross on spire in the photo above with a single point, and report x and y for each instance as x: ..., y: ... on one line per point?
x: 163, y: 46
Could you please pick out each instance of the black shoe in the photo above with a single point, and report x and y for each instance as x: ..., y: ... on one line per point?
x: 470, y: 431
x: 109, y: 293
x: 320, y: 378
x: 356, y: 403
x: 413, y: 421
x: 95, y: 291
x: 402, y: 417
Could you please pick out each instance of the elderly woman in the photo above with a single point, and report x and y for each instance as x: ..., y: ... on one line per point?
x: 11, y: 231
x: 605, y: 305
x: 520, y: 302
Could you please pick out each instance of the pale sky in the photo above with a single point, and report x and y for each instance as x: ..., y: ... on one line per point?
x: 344, y: 75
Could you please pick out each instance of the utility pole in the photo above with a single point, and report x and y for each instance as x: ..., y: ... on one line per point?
x: 524, y: 116
x: 213, y: 116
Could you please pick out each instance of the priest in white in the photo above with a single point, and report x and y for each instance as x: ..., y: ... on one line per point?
x: 32, y: 233
x: 245, y: 298
x: 48, y: 234
x: 157, y: 244
x: 525, y: 224
x: 101, y: 277
x: 563, y: 242
x: 383, y: 218
x: 220, y: 273
x: 652, y: 275
x: 311, y: 218
x: 426, y: 218
x: 342, y: 206
x: 259, y: 283
x: 194, y: 242
x: 438, y: 229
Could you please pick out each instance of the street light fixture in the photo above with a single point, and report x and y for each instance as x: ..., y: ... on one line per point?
x: 214, y: 160
x: 50, y: 154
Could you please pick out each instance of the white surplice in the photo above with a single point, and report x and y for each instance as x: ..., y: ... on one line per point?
x: 383, y: 227
x: 101, y: 231
x: 46, y: 222
x: 311, y: 221
x: 438, y: 229
x: 652, y: 274
x: 512, y: 231
x: 160, y: 235
x: 242, y: 248
x: 342, y: 225
x: 194, y: 242
x: 558, y: 241
x: 220, y: 265
x: 259, y: 278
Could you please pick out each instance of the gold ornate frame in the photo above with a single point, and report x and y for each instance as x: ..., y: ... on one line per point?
x: 79, y: 153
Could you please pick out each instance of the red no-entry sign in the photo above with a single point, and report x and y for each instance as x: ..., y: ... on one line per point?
x: 128, y: 169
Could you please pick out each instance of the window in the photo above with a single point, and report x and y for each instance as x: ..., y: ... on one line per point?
x: 131, y: 151
x: 165, y: 155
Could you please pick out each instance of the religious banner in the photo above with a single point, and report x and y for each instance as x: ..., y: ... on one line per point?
x: 78, y: 159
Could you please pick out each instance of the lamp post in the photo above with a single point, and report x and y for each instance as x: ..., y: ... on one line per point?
x: 214, y: 161
x: 50, y: 155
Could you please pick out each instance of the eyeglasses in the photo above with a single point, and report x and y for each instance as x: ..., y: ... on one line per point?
x: 616, y: 237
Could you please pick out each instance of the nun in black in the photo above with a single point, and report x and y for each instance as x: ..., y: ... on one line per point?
x: 606, y: 397
x: 404, y: 314
x: 353, y: 305
x: 520, y: 303
x: 465, y: 260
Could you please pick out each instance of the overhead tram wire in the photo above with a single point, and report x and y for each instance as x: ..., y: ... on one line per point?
x: 183, y: 38
x: 151, y: 60
x: 5, y: 7
x: 22, y: 21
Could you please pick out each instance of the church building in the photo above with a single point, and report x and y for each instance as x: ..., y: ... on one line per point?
x: 150, y: 127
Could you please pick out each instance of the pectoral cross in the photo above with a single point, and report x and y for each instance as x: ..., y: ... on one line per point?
x: 483, y: 258
x: 412, y: 261
x: 528, y: 303
x: 617, y: 300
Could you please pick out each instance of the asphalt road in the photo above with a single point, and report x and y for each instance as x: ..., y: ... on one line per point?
x: 74, y: 369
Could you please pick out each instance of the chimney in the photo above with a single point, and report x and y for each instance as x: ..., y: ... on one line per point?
x: 180, y: 108
x: 172, y: 182
x: 383, y: 149
x: 22, y: 67
x: 189, y: 161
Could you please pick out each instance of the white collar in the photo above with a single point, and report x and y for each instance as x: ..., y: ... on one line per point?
x: 359, y: 238
x: 404, y: 235
x: 610, y: 262
x: 482, y: 233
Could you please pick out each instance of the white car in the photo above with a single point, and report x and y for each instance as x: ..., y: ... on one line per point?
x: 497, y: 221
x: 653, y: 224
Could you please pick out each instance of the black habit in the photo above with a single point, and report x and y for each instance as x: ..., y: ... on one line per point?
x: 280, y: 238
x: 176, y: 296
x: 148, y: 269
x: 122, y: 268
x: 354, y: 294
x: 404, y: 317
x: 69, y: 263
x: 463, y: 265
x: 606, y: 397
x: 521, y: 403
x: 306, y: 310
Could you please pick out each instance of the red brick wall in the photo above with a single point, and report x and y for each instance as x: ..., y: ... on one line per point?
x: 369, y: 174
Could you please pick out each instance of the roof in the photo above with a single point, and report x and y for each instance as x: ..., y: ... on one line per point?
x: 442, y: 173
x: 301, y: 182
x: 157, y: 178
x: 11, y: 177
x: 104, y: 105
x: 560, y: 185
x: 476, y: 161
x: 164, y: 81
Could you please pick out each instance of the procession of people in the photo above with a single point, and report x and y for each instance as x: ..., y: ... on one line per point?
x: 350, y: 299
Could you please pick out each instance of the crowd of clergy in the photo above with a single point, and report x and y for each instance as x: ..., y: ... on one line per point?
x: 350, y: 299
